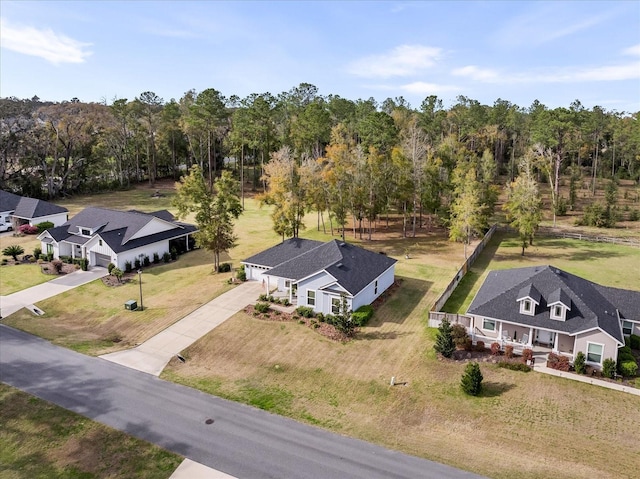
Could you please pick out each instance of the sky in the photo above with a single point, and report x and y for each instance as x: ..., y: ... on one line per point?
x: 97, y: 51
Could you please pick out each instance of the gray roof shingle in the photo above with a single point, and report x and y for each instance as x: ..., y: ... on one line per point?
x: 28, y: 208
x: 282, y: 252
x: 590, y: 308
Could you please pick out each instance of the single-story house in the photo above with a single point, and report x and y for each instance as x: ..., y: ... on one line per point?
x: 317, y: 274
x: 106, y: 236
x: 16, y: 211
x: 546, y: 307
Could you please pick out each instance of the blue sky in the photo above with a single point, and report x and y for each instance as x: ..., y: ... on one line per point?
x: 519, y: 51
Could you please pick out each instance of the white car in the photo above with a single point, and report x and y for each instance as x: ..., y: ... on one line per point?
x: 5, y: 227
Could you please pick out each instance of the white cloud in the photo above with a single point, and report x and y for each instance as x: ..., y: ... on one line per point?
x: 478, y: 74
x: 404, y: 60
x: 427, y: 88
x: 54, y: 47
x: 634, y: 50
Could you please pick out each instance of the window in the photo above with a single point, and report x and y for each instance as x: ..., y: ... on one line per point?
x: 311, y: 297
x: 526, y: 306
x: 375, y: 287
x: 85, y: 232
x: 594, y: 353
x: 100, y: 242
x: 335, y: 305
x: 627, y: 328
x: 557, y: 312
x: 489, y: 325
x: 287, y: 283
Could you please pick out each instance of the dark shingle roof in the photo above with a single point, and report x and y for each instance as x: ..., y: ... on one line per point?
x: 352, y: 266
x: 530, y: 291
x: 590, y: 308
x: 24, y: 207
x: 282, y: 252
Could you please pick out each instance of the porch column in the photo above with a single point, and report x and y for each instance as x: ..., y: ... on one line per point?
x: 268, y: 287
x: 555, y: 342
x: 530, y: 341
x: 500, y: 331
x: 291, y: 293
x: 186, y: 240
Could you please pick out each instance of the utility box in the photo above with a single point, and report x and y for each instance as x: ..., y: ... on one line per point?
x: 131, y: 305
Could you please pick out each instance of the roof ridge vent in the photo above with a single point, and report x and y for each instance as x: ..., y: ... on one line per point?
x: 342, y: 243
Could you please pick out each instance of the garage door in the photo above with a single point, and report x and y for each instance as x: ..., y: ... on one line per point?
x: 255, y: 273
x: 102, y: 260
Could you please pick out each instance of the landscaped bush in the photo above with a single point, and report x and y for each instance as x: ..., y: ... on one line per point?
x: 127, y: 267
x: 45, y: 225
x: 37, y: 251
x: 262, y: 307
x: 468, y: 344
x: 459, y: 333
x: 514, y: 366
x: 495, y: 348
x: 579, y: 364
x: 14, y: 250
x: 362, y: 315
x: 557, y: 361
x: 166, y: 256
x: 305, y: 311
x: 263, y: 297
x: 628, y: 368
x: 224, y: 268
x: 242, y: 275
x: 28, y: 229
x: 527, y: 355
x: 118, y: 273
x: 156, y: 258
x: 174, y: 254
x: 634, y: 341
x: 508, y: 351
x: 471, y: 381
x: 444, y: 339
x: 66, y: 259
x: 137, y: 264
x: 625, y: 356
x: 285, y: 301
x: 110, y: 267
x: 608, y: 368
x: 57, y: 265
x: 480, y: 346
x: 146, y: 261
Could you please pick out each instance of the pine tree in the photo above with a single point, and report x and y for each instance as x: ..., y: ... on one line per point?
x: 444, y: 339
x: 472, y: 379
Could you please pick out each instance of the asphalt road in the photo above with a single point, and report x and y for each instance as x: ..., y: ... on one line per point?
x: 242, y: 441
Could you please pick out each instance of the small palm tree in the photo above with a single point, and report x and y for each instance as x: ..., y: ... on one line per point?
x: 13, y: 251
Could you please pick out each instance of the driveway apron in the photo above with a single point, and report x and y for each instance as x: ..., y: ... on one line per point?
x: 153, y: 355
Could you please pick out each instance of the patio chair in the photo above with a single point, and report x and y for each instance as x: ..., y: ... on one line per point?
x: 525, y: 338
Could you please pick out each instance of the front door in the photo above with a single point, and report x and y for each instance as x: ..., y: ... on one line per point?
x: 545, y: 337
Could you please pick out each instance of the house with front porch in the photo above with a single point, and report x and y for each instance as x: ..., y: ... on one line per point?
x: 315, y: 274
x: 550, y: 309
x: 104, y: 236
x: 16, y: 210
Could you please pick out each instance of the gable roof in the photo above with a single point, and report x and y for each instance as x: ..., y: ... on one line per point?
x: 282, y: 252
x: 24, y: 207
x: 353, y: 267
x: 590, y: 308
x: 117, y: 228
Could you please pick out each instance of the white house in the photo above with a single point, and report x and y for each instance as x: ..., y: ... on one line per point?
x: 551, y: 309
x: 17, y: 210
x: 106, y: 236
x: 317, y: 274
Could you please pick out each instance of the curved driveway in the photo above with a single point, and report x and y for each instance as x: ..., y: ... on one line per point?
x: 242, y: 441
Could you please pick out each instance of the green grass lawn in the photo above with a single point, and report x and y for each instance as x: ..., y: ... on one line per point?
x: 21, y: 276
x: 41, y: 440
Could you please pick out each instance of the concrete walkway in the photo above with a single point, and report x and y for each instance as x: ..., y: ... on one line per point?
x: 189, y: 469
x: 540, y: 367
x: 153, y: 355
x: 28, y: 297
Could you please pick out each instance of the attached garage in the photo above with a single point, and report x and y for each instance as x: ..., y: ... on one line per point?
x: 255, y: 273
x: 102, y: 260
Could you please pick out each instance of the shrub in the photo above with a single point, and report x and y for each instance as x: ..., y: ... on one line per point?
x: 37, y: 251
x: 110, y: 267
x: 242, y: 275
x: 262, y: 307
x: 45, y: 225
x: 480, y: 346
x: 156, y: 258
x: 559, y: 362
x: 628, y: 368
x: 28, y: 230
x: 174, y: 254
x: 5, y: 260
x: 625, y: 356
x: 579, y: 364
x: 495, y: 348
x: 285, y: 301
x: 305, y: 311
x: 263, y: 297
x: 634, y: 341
x: 117, y: 272
x: 127, y: 267
x: 137, y: 264
x: 634, y: 215
x: 508, y: 351
x: 84, y: 264
x: 514, y: 366
x: 471, y: 381
x: 224, y: 268
x: 166, y: 256
x: 459, y: 333
x: 13, y: 251
x: 57, y: 265
x: 146, y: 261
x: 444, y: 339
x: 468, y: 344
x: 66, y: 259
x: 527, y: 354
x: 362, y: 315
x: 609, y: 368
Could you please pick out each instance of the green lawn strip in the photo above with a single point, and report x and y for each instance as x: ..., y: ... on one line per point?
x: 41, y: 440
x: 17, y: 277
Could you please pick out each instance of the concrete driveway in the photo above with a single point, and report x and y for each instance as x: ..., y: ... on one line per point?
x: 28, y: 297
x: 153, y: 355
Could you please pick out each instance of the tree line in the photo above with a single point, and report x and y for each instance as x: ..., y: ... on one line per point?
x: 345, y: 159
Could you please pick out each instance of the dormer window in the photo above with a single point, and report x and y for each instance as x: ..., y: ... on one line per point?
x: 528, y: 306
x: 559, y: 303
x: 85, y: 232
x: 529, y: 298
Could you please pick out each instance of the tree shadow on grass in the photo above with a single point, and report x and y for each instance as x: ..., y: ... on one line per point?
x: 493, y: 389
x: 372, y: 335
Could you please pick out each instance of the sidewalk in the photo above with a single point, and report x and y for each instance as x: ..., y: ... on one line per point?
x: 189, y: 469
x: 153, y: 355
x: 28, y: 297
